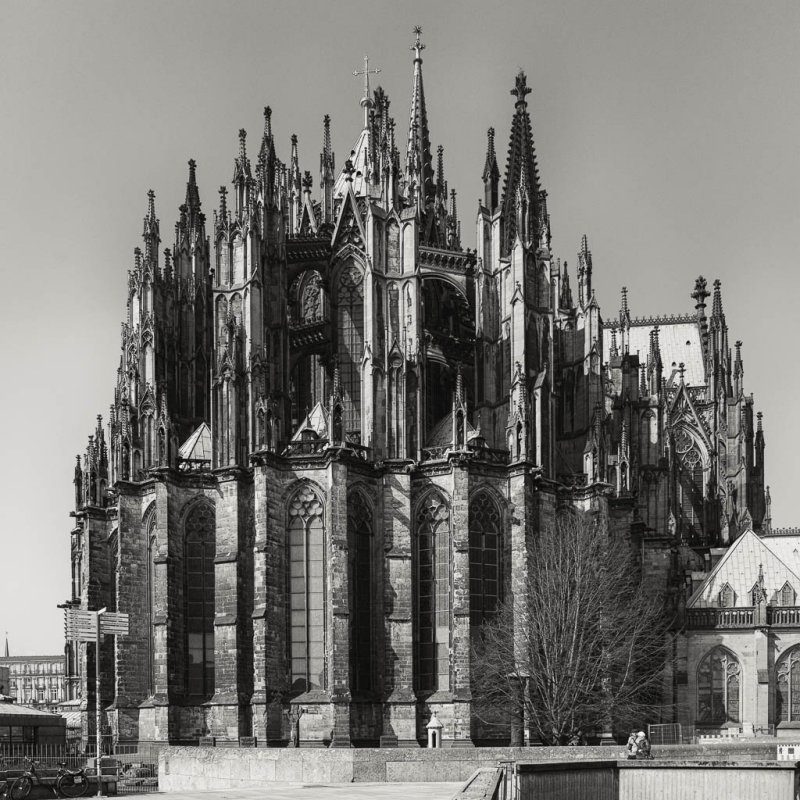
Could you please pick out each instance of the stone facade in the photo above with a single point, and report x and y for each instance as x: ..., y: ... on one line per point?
x: 335, y: 431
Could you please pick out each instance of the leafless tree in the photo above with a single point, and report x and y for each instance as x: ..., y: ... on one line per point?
x: 581, y: 645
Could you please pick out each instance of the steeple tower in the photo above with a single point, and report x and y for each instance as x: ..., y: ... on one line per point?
x: 522, y: 173
x: 419, y: 162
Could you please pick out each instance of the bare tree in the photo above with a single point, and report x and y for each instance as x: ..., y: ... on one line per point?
x: 581, y: 645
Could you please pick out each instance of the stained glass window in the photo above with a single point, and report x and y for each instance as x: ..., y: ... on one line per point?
x: 199, y: 594
x: 350, y: 319
x: 359, y: 523
x: 306, y: 591
x: 718, y: 687
x: 787, y: 695
x: 432, y: 597
x: 485, y: 559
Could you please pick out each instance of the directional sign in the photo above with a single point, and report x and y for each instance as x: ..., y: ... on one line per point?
x: 82, y: 625
x: 113, y: 623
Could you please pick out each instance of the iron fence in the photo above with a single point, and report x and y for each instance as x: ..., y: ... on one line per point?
x: 124, y: 768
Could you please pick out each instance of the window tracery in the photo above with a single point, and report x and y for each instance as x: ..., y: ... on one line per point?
x: 485, y: 559
x: 432, y: 596
x: 306, y: 591
x: 787, y: 694
x: 719, y: 687
x: 199, y: 530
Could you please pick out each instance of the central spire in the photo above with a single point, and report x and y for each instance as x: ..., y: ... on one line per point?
x: 419, y: 162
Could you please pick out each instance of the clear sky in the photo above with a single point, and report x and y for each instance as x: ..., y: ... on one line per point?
x: 665, y: 131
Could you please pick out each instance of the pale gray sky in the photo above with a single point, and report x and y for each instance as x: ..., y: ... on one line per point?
x: 666, y: 131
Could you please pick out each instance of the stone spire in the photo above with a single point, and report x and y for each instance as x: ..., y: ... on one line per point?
x: 584, y: 273
x: 419, y: 162
x: 565, y: 301
x: 327, y: 176
x: 522, y: 172
x: 150, y: 232
x: 491, y: 174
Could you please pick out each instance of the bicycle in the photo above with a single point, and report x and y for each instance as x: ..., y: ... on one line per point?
x: 67, y: 783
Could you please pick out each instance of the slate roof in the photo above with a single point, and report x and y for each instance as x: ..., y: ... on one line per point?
x: 740, y: 565
x: 316, y: 420
x: 198, y: 446
x: 679, y: 342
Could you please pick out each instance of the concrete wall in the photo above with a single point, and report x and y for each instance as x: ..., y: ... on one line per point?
x: 204, y: 768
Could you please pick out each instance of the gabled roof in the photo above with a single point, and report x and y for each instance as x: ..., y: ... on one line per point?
x: 739, y: 568
x: 198, y: 446
x: 316, y: 420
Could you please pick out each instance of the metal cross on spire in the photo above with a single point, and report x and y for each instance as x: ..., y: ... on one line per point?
x: 365, y: 101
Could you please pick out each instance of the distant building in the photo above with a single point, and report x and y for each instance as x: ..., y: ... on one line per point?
x: 742, y: 638
x: 35, y: 680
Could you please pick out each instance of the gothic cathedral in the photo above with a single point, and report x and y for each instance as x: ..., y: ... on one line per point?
x: 335, y: 429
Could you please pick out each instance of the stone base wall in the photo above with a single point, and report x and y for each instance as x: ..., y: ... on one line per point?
x: 206, y: 768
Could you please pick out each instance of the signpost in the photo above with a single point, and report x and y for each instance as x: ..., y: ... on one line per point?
x: 91, y: 626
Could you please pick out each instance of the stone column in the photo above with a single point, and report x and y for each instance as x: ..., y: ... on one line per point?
x: 225, y: 721
x: 399, y: 704
x: 269, y: 589
x: 339, y: 592
x: 460, y: 659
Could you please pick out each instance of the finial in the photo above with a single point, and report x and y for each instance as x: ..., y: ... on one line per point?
x: 326, y: 136
x: 440, y: 165
x: 453, y: 204
x: 308, y: 181
x: 584, y: 244
x: 624, y: 309
x: 682, y: 370
x: 348, y: 170
x: 242, y: 138
x: 267, y: 122
x: 760, y: 424
x: 417, y: 47
x: 223, y: 203
x: 490, y: 135
x: 151, y: 204
x: 716, y: 308
x: 521, y: 89
x: 192, y: 168
x: 459, y: 383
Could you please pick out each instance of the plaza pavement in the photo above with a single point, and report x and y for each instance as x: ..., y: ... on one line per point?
x: 302, y: 791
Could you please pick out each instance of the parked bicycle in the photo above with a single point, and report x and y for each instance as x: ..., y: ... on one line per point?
x: 67, y: 782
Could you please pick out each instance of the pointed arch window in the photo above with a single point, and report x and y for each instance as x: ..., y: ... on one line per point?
x: 485, y: 559
x: 306, y: 591
x: 727, y: 597
x: 787, y: 596
x: 199, y: 593
x: 719, y: 687
x: 787, y: 694
x: 691, y: 484
x: 152, y: 551
x: 432, y: 595
x: 350, y: 319
x: 360, y: 530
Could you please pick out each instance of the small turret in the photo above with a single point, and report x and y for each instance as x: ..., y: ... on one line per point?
x: 151, y: 234
x: 565, y: 301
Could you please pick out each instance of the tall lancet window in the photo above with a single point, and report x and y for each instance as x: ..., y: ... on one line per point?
x: 690, y: 485
x: 350, y: 324
x: 787, y: 694
x: 432, y: 595
x: 306, y: 567
x: 485, y: 559
x: 360, y: 534
x: 199, y: 594
x: 152, y: 552
x: 718, y: 687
